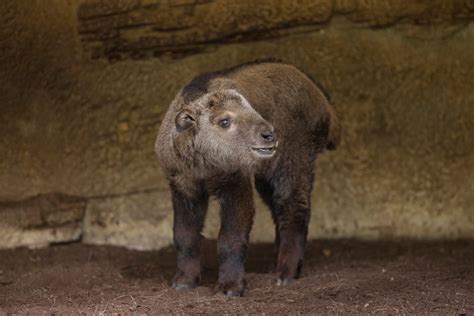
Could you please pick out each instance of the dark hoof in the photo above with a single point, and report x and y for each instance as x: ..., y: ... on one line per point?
x: 232, y: 288
x: 183, y: 286
x: 286, y: 276
x: 234, y: 293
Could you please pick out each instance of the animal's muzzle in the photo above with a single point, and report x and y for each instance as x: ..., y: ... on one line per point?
x: 268, y: 143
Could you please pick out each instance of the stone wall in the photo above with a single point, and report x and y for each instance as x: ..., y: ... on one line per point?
x: 84, y: 85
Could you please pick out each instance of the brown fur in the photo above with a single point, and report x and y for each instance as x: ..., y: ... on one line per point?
x: 270, y: 105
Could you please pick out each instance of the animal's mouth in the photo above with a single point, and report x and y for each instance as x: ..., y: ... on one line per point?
x: 265, y: 150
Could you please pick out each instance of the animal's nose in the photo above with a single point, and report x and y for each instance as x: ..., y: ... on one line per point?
x: 268, y: 135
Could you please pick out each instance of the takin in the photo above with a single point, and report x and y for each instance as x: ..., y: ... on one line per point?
x: 257, y: 125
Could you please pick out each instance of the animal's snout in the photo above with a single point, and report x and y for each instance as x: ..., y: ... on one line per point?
x: 268, y: 135
x: 267, y: 144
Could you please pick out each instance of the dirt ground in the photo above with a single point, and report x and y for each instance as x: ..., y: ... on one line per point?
x: 340, y: 277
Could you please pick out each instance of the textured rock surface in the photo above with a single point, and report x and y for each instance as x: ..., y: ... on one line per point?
x: 139, y: 220
x: 41, y: 220
x: 400, y: 75
x: 139, y: 29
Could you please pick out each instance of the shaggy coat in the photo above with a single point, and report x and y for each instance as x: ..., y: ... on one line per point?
x: 262, y: 125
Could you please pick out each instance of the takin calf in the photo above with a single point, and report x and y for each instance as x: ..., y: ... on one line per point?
x: 257, y: 124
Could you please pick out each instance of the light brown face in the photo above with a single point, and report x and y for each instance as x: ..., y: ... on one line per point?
x: 228, y: 132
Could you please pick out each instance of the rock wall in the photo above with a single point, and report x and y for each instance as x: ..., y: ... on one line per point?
x: 84, y: 85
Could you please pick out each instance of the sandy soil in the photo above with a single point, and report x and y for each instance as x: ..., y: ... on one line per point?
x: 340, y: 277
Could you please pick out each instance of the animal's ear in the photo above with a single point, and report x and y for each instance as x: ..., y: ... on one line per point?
x: 184, y: 120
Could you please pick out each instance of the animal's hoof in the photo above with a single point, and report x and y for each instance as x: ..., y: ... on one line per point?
x: 232, y: 288
x: 182, y: 281
x: 284, y: 281
x: 234, y: 293
x: 183, y: 286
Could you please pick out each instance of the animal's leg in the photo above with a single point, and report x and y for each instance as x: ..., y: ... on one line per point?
x: 237, y: 213
x: 265, y: 190
x: 189, y: 215
x: 292, y: 209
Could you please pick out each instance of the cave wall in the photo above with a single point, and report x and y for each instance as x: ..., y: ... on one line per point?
x: 84, y: 85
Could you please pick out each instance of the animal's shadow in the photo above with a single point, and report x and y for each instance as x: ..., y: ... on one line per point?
x: 319, y: 255
x: 261, y: 259
x: 161, y: 265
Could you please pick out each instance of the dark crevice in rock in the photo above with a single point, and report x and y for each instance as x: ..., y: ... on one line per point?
x: 51, y: 210
x: 42, y: 220
x: 51, y: 218
x: 132, y: 29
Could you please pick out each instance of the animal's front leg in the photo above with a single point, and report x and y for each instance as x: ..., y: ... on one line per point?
x: 189, y: 215
x: 237, y: 213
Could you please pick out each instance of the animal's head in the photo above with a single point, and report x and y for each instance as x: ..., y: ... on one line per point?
x: 226, y: 130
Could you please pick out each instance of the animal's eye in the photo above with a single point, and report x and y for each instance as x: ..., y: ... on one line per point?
x: 224, y: 123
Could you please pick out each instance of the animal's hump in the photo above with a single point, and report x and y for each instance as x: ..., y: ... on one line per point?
x: 199, y: 85
x: 271, y: 60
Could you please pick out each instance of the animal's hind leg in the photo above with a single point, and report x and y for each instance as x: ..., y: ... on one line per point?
x: 291, y: 210
x: 265, y: 190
